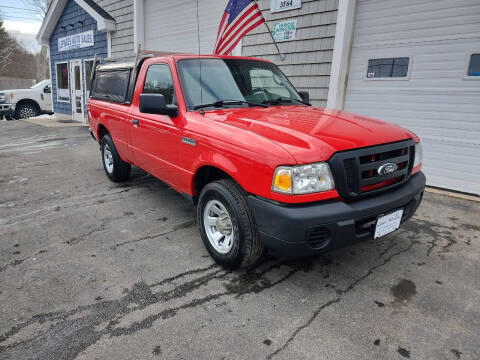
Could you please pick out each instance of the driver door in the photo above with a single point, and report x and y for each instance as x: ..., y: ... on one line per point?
x: 47, y: 98
x: 155, y: 138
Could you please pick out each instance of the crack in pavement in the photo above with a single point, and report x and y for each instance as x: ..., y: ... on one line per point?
x: 338, y: 299
x: 76, y: 239
x: 183, y: 225
x: 73, y: 331
x: 13, y: 263
x: 78, y: 202
x: 444, y: 232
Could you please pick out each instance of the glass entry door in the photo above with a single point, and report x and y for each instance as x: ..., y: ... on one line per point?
x: 77, y: 90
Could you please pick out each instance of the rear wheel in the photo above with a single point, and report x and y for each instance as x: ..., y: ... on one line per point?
x: 227, y: 226
x: 116, y: 169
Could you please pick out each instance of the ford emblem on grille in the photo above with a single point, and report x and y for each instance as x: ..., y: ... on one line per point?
x: 387, y: 168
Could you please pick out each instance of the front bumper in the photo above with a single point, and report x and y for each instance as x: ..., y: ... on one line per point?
x: 309, y: 229
x: 7, y: 109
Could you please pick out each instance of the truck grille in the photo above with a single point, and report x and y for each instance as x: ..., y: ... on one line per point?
x: 356, y: 172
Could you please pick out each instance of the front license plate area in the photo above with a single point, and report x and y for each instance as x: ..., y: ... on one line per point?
x: 388, y: 223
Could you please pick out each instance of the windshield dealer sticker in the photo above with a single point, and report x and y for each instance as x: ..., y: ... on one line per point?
x: 285, y: 30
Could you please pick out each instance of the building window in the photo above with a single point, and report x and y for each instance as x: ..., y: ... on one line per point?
x: 159, y: 81
x: 388, y: 68
x: 474, y: 65
x: 63, y: 93
x: 88, y: 66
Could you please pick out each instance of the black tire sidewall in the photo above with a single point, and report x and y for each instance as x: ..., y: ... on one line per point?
x: 215, y: 191
x: 114, y: 175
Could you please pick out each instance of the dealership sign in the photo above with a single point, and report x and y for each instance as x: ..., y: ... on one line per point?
x: 284, y: 5
x: 77, y: 41
x: 285, y: 30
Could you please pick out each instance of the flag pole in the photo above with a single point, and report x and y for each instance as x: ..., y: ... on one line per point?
x: 282, y: 56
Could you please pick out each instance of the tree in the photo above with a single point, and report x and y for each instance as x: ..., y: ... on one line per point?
x: 6, y: 48
x: 43, y: 64
x: 40, y: 5
x: 15, y: 61
x: 42, y: 60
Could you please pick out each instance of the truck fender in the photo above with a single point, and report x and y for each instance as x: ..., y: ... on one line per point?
x: 214, y: 160
x: 28, y: 101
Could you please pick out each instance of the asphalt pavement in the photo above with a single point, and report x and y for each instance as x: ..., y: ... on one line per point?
x: 90, y: 269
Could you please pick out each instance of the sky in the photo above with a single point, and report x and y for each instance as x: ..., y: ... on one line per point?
x: 22, y: 21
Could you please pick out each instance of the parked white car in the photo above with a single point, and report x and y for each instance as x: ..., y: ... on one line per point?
x: 26, y: 103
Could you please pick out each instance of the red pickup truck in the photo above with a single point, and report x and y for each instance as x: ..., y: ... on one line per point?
x: 266, y: 170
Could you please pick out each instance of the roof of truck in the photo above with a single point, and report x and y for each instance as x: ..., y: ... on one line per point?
x: 115, y: 66
x: 144, y: 55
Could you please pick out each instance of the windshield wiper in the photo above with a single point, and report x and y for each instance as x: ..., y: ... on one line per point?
x: 221, y: 103
x: 284, y: 99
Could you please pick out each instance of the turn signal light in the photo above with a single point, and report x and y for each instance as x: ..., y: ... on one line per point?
x: 283, y: 180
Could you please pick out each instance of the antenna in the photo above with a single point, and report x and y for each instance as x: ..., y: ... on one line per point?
x: 199, y: 59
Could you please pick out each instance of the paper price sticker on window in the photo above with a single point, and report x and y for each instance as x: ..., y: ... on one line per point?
x: 285, y: 30
x: 284, y: 5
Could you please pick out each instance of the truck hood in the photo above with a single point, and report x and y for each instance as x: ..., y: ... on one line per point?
x: 311, y: 134
x: 16, y: 93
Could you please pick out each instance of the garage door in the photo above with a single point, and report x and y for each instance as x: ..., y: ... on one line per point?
x: 414, y: 63
x: 172, y: 25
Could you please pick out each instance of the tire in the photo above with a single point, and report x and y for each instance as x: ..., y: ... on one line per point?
x: 25, y: 111
x: 116, y: 169
x: 242, y: 247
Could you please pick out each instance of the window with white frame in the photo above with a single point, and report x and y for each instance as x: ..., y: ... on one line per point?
x: 388, y: 68
x: 474, y: 65
x: 88, y: 66
x: 63, y: 92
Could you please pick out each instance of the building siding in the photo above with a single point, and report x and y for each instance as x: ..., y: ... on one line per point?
x: 437, y: 101
x: 122, y: 37
x: 308, y: 58
x: 71, y: 15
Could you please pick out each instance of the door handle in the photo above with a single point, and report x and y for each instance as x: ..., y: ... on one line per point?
x: 135, y: 122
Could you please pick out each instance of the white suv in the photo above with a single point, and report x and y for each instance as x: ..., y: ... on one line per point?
x: 25, y: 103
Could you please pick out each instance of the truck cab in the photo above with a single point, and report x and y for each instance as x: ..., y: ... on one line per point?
x: 26, y: 103
x: 266, y: 170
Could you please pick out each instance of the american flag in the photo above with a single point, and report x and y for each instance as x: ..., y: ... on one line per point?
x: 240, y: 17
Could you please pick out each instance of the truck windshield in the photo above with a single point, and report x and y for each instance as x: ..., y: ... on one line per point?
x: 234, y: 83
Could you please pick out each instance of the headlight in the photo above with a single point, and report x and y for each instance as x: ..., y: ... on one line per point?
x: 3, y: 97
x: 418, y: 154
x: 304, y: 179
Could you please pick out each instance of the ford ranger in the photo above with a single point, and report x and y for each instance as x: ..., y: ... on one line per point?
x: 26, y: 103
x: 266, y: 170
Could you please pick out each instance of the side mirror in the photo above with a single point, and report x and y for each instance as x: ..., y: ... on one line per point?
x: 47, y: 89
x: 155, y: 104
x: 305, y: 96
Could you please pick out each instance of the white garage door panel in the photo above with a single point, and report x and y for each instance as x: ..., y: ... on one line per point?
x: 436, y: 101
x: 172, y: 25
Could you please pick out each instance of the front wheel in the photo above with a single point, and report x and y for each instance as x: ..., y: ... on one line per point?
x: 116, y: 169
x: 227, y: 226
x: 25, y: 111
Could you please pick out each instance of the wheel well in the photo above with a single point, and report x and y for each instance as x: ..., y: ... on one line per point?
x: 28, y: 101
x: 102, y: 131
x: 205, y: 175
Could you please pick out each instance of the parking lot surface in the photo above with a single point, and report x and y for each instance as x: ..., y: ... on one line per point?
x: 90, y: 269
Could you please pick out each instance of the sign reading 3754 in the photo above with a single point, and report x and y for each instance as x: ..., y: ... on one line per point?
x: 284, y: 5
